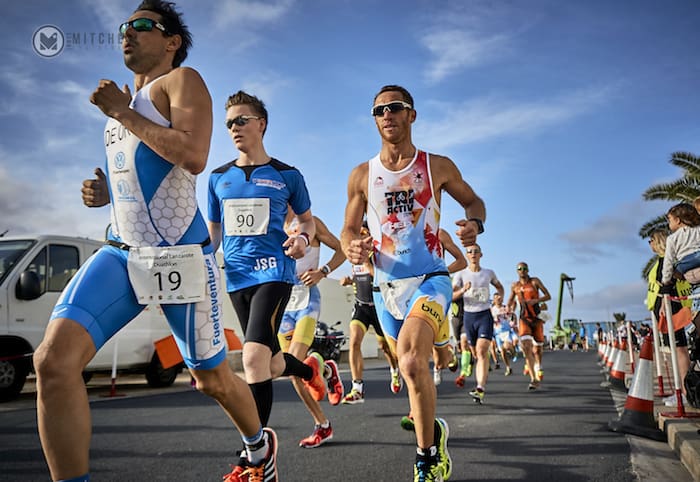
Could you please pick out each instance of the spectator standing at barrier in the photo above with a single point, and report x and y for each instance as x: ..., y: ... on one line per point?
x: 657, y: 242
x: 530, y: 292
x: 400, y: 190
x: 584, y: 337
x: 683, y: 244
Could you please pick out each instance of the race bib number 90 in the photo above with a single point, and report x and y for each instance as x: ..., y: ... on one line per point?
x: 246, y: 217
x: 168, y: 275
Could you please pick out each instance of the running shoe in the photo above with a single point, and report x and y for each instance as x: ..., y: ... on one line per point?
x: 533, y: 385
x: 540, y: 375
x: 459, y: 381
x: 468, y: 371
x: 509, y: 370
x: 526, y: 372
x: 454, y: 364
x: 319, y: 436
x: 317, y: 385
x: 407, y: 423
x: 427, y: 471
x: 437, y: 376
x: 265, y: 471
x: 335, y: 385
x: 396, y: 382
x: 355, y: 396
x: 444, y: 460
x: 478, y: 395
x: 498, y: 366
x: 239, y: 468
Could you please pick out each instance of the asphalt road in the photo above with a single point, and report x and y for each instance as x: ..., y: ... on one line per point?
x: 556, y: 433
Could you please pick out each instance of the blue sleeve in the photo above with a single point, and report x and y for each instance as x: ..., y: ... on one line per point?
x: 299, y: 200
x: 213, y: 200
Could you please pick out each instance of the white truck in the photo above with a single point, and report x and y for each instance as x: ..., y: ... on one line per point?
x: 33, y: 272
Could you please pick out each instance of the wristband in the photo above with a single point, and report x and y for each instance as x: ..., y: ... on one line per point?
x: 305, y: 237
x: 479, y: 224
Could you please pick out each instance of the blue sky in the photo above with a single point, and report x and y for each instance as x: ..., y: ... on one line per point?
x: 559, y: 114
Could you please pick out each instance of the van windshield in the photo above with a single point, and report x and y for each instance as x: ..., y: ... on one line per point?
x: 10, y: 253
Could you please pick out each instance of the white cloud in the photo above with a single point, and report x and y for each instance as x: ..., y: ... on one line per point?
x: 47, y: 205
x: 612, y: 232
x: 488, y: 118
x: 246, y: 13
x: 456, y: 49
x: 600, y: 305
x: 111, y: 13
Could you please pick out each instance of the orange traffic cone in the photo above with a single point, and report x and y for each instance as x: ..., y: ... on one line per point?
x: 638, y: 415
x: 617, y: 372
x: 612, y: 356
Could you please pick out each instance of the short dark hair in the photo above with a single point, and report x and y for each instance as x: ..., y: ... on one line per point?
x: 407, y: 97
x: 687, y: 214
x: 173, y: 23
x: 243, y: 98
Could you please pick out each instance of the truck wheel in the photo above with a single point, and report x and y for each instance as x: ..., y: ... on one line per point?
x: 13, y: 374
x: 157, y: 376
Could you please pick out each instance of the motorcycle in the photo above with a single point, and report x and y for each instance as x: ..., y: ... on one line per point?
x: 328, y: 340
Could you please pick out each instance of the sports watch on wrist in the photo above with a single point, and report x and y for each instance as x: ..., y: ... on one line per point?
x: 325, y: 270
x: 479, y: 224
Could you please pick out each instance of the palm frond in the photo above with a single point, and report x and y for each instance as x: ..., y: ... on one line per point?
x: 684, y: 189
x: 688, y: 162
x: 620, y: 316
x: 659, y: 222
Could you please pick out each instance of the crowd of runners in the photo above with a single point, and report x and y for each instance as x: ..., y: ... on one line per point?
x: 259, y: 214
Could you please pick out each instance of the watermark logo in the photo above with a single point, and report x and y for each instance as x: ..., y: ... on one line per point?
x: 48, y: 41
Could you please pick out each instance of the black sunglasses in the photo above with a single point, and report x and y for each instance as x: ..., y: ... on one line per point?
x: 241, y: 120
x: 393, y: 107
x: 522, y: 268
x: 141, y: 25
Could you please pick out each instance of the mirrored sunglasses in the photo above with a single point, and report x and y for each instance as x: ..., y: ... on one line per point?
x: 393, y: 107
x: 240, y: 121
x: 141, y: 25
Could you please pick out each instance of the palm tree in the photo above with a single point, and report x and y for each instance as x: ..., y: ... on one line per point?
x: 685, y: 189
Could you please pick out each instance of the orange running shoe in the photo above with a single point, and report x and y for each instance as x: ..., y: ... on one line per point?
x: 317, y: 385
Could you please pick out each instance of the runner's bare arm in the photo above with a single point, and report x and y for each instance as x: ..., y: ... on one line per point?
x: 182, y: 97
x: 327, y: 238
x: 94, y: 191
x: 449, y: 178
x: 545, y: 293
x: 296, y: 245
x: 460, y: 262
x: 214, y: 234
x: 356, y: 248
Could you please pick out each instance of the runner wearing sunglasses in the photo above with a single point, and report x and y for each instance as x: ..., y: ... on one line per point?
x: 399, y: 190
x: 249, y: 199
x: 156, y: 140
x: 531, y: 327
